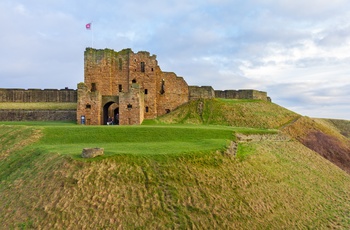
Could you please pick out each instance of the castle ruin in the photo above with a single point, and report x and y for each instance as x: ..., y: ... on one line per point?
x: 122, y: 86
x: 129, y: 87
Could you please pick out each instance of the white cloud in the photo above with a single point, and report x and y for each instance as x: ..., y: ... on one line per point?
x: 297, y: 50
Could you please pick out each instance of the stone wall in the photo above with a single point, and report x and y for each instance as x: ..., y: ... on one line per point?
x: 242, y: 94
x: 196, y: 92
x: 172, y: 91
x: 37, y: 115
x: 38, y: 95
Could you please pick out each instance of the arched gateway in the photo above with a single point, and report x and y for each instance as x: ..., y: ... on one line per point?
x: 110, y: 110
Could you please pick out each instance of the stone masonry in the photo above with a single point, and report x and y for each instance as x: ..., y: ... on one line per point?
x: 126, y: 87
x: 38, y: 95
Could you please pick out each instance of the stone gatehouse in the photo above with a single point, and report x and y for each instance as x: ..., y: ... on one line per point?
x: 129, y: 87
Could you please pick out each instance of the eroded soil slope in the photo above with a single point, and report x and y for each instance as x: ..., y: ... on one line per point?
x: 323, y: 137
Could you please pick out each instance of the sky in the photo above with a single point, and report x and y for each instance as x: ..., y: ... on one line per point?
x: 297, y: 51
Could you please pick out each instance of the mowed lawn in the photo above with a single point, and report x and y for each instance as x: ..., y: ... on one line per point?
x: 144, y: 139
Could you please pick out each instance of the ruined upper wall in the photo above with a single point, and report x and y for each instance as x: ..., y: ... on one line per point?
x: 196, y: 92
x: 111, y: 72
x: 242, y: 94
x: 38, y: 95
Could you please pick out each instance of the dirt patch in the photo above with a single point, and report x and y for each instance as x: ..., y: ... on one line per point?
x: 328, y: 147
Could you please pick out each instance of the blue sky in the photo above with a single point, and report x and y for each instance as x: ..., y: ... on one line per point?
x: 298, y: 51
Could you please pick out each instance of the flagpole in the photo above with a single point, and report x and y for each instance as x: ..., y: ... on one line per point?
x: 92, y: 36
x: 89, y: 27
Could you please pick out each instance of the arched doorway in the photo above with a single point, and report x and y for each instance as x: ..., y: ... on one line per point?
x: 111, y: 112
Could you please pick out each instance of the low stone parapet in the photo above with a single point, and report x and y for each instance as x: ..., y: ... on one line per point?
x: 262, y: 137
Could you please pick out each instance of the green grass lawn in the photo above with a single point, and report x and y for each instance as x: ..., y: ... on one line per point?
x: 145, y: 139
x: 69, y: 139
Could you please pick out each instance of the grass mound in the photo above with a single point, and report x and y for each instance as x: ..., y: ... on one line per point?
x: 159, y: 176
x: 278, y: 185
x: 239, y: 113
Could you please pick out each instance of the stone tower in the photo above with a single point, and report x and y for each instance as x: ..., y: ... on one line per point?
x: 126, y: 86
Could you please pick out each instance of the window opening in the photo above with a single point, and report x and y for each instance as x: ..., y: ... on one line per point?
x: 142, y: 67
x: 120, y: 88
x: 93, y: 87
x: 129, y: 106
x: 88, y: 106
x: 133, y: 80
x: 120, y: 64
x: 167, y: 110
x: 146, y: 91
x: 147, y: 109
x: 162, y: 88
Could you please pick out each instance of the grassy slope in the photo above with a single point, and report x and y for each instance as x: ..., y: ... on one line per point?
x: 323, y: 137
x: 342, y: 125
x: 239, y: 113
x: 268, y: 185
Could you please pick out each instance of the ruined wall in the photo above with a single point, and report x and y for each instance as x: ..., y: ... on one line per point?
x: 37, y: 115
x: 196, y: 92
x: 38, y: 95
x: 172, y: 92
x: 242, y: 94
x: 106, y: 70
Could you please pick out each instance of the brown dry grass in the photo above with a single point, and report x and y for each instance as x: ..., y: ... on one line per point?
x: 14, y: 138
x: 342, y: 125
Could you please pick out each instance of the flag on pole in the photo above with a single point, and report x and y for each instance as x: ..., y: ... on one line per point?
x: 88, y: 26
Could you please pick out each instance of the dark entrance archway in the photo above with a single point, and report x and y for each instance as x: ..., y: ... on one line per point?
x: 111, y: 111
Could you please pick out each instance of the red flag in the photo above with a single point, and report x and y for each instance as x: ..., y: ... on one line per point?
x: 88, y: 26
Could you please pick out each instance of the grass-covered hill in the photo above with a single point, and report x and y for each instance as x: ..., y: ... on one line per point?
x: 328, y: 137
x: 239, y: 113
x: 173, y: 176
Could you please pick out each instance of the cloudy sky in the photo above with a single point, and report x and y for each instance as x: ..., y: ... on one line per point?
x: 296, y: 50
